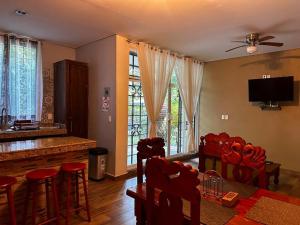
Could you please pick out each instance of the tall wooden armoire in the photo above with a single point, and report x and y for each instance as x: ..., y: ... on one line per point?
x: 71, y: 96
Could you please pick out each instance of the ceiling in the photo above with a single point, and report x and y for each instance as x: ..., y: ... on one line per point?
x: 198, y: 28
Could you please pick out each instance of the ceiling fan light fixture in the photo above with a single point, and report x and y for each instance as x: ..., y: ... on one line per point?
x: 251, y: 49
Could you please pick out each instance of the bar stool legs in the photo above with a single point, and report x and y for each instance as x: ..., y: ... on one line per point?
x: 6, y: 183
x: 11, y: 206
x: 85, y: 195
x: 69, y: 182
x: 74, y: 171
x: 35, y: 178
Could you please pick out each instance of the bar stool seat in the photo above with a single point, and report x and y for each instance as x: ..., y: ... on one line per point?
x: 73, y: 167
x: 74, y: 171
x: 41, y: 174
x: 35, y: 178
x: 6, y: 183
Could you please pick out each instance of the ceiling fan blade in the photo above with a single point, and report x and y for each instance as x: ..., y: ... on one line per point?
x: 265, y: 38
x: 245, y: 42
x: 235, y: 48
x: 276, y: 44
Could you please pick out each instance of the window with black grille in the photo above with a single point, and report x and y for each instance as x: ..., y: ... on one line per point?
x: 172, y: 125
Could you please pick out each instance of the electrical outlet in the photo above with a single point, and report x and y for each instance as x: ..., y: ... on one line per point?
x: 223, y: 117
x: 264, y: 76
x: 268, y: 76
x: 226, y: 117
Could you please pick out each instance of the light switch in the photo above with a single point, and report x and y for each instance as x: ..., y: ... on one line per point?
x: 50, y: 116
x: 226, y: 117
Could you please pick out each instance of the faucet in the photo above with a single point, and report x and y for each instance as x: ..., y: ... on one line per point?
x: 4, y: 119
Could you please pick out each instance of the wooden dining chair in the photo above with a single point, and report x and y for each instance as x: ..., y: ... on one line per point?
x: 167, y: 184
x: 146, y: 149
x: 246, y: 161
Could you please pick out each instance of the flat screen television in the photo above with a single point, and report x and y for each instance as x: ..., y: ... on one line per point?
x: 271, y: 89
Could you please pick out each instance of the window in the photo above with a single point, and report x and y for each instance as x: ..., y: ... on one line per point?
x: 172, y: 124
x: 19, y: 78
x: 137, y: 114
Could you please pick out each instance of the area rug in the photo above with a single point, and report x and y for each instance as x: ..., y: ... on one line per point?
x: 274, y: 212
x: 211, y: 213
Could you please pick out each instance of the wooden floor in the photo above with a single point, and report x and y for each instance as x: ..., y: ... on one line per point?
x: 110, y: 205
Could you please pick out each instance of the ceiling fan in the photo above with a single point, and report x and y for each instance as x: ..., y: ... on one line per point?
x: 253, y: 39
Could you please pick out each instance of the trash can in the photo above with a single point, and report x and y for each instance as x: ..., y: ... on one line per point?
x: 97, y: 163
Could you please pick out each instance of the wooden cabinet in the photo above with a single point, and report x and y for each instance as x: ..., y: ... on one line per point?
x: 71, y: 96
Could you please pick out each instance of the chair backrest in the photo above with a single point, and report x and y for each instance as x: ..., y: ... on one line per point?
x: 211, y: 146
x: 146, y: 149
x: 170, y: 183
x: 246, y: 159
x: 211, y: 143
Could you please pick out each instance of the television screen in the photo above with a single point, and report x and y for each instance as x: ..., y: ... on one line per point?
x: 271, y: 89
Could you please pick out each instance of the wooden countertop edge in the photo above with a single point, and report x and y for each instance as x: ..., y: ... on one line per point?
x: 43, y: 151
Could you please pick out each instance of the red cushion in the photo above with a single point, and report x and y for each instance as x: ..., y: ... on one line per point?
x: 73, y: 167
x: 6, y: 181
x: 41, y: 174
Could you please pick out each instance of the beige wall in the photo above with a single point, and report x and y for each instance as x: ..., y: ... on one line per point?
x: 225, y: 91
x: 122, y: 62
x: 108, y: 67
x: 52, y: 53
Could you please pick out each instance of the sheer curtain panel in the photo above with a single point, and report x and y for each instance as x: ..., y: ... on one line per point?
x: 189, y: 74
x: 156, y: 67
x: 21, y: 78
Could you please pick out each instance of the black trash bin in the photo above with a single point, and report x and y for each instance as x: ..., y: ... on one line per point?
x: 97, y: 163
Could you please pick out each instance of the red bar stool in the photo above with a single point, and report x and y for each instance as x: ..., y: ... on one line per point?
x: 35, y: 178
x: 75, y: 170
x: 6, y: 183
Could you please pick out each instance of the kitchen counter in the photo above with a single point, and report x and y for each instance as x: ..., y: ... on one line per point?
x: 27, y: 134
x: 17, y: 158
x: 44, y: 146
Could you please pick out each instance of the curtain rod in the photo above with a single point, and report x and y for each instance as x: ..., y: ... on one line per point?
x: 171, y: 53
x: 20, y: 36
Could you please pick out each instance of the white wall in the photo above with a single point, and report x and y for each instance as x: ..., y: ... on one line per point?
x: 107, y: 59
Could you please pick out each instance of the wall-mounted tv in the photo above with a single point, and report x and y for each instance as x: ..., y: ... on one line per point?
x: 271, y: 89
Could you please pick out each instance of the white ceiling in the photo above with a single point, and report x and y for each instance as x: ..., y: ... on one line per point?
x: 198, y: 28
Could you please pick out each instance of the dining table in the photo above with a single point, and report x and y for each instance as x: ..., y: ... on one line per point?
x: 255, y: 206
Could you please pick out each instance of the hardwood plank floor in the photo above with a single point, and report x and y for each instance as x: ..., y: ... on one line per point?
x: 110, y: 205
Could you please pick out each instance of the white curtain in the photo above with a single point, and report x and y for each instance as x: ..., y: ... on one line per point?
x: 189, y: 74
x: 22, y: 78
x: 39, y: 82
x: 156, y: 67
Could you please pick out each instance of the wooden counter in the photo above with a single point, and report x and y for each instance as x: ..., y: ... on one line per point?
x: 41, y: 147
x: 19, y: 157
x: 29, y: 134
